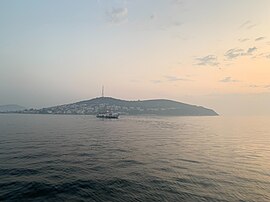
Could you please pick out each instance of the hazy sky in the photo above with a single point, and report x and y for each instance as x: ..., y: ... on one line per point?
x: 214, y: 53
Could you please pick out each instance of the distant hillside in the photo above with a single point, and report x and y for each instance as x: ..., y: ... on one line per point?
x: 150, y: 107
x: 11, y: 108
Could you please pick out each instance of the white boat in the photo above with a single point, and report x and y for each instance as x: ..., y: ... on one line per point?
x: 108, y: 115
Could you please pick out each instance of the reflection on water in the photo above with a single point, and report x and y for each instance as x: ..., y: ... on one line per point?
x: 45, y: 157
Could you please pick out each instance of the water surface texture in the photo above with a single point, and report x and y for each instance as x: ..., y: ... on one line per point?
x: 81, y: 158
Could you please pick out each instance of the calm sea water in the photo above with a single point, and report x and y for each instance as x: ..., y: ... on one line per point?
x: 81, y: 158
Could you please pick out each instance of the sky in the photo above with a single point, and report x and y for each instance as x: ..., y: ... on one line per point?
x: 209, y: 53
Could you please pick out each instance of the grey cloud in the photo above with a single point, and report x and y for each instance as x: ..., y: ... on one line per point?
x: 228, y: 80
x: 235, y: 53
x: 156, y: 81
x: 268, y: 56
x: 253, y: 86
x: 153, y: 16
x: 177, y: 23
x: 118, y: 15
x: 243, y: 40
x: 208, y: 60
x: 247, y: 25
x: 174, y: 78
x: 169, y: 79
x: 259, y: 38
x: 259, y: 86
x: 251, y: 50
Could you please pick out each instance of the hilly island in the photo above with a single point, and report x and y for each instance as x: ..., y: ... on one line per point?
x: 146, y: 107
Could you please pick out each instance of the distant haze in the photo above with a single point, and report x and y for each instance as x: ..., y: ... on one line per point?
x: 210, y: 53
x: 10, y: 108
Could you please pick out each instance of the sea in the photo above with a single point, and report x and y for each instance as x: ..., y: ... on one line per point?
x: 134, y: 158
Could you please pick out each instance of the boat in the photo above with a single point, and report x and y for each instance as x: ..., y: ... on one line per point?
x: 108, y: 115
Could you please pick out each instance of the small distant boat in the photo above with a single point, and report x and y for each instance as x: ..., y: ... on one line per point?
x: 108, y: 115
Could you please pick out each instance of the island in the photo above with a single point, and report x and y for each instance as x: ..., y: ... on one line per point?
x: 145, y: 107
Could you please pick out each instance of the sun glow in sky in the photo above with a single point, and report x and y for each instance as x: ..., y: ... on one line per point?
x: 211, y: 53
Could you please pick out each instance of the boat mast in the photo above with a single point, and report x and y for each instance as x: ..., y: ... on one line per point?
x: 102, y: 93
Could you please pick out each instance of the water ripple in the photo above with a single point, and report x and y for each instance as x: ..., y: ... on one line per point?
x: 80, y: 158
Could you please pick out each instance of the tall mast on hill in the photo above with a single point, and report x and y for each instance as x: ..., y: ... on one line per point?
x: 102, y: 93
